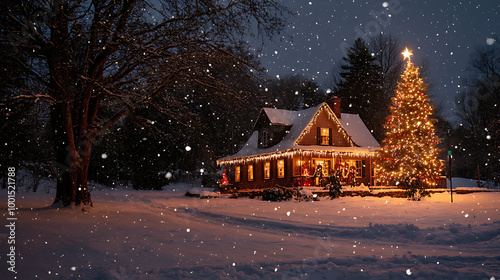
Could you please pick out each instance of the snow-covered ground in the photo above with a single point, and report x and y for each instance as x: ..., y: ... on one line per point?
x: 166, y: 235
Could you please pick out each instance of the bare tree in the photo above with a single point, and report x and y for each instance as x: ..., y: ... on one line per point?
x: 478, y: 113
x: 293, y: 92
x: 97, y: 61
x: 387, y: 52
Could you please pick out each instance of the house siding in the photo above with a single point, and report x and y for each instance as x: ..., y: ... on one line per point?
x: 290, y: 180
x: 324, y: 120
x: 259, y: 182
x: 338, y: 137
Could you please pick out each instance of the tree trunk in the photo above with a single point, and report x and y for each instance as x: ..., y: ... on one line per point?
x: 72, y: 161
x: 71, y: 145
x: 36, y: 177
x: 72, y: 186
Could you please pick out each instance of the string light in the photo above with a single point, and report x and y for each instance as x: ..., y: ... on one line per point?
x: 410, y: 146
x: 293, y: 153
x: 331, y: 115
x: 303, y: 150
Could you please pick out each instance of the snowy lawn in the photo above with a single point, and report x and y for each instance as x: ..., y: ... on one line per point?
x: 166, y: 235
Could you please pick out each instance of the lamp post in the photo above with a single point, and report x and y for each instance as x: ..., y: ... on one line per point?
x: 449, y: 172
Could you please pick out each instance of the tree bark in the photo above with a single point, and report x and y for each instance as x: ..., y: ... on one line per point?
x: 72, y: 147
x: 71, y: 162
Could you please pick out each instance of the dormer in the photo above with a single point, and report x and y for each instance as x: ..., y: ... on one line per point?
x: 272, y: 126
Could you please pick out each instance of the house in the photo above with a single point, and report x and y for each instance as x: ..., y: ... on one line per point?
x: 303, y: 148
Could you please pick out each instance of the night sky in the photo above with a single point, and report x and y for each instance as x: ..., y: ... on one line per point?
x: 440, y: 33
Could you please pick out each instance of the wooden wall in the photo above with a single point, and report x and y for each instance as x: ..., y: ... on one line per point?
x: 323, y: 120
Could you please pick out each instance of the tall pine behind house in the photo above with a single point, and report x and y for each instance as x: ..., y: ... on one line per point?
x: 361, y: 88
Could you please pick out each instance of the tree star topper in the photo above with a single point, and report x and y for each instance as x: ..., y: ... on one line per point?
x: 406, y: 54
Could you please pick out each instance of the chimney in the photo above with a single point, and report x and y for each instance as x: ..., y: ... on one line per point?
x: 334, y: 104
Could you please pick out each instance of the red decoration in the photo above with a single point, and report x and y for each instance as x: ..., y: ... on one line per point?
x: 225, y: 181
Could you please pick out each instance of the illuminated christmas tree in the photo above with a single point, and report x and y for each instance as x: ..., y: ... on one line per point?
x: 409, y: 151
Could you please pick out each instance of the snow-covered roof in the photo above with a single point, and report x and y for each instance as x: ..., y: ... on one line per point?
x: 279, y: 116
x: 299, y: 120
x: 358, y: 131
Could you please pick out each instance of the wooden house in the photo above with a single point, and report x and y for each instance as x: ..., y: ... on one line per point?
x: 303, y: 148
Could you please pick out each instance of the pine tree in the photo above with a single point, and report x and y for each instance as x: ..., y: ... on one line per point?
x: 409, y: 150
x: 361, y: 88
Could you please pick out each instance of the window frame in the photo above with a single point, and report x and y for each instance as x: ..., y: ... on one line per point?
x: 250, y: 173
x: 265, y: 137
x: 359, y: 169
x: 267, y: 170
x: 324, y: 136
x: 326, y: 165
x: 237, y: 174
x: 281, y: 170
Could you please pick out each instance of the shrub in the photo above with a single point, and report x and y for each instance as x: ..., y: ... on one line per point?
x: 334, y: 187
x: 414, y: 189
x: 305, y: 195
x: 211, y: 180
x: 277, y: 193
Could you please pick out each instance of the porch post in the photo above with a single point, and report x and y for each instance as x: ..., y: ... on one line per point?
x: 301, y: 164
x: 372, y: 182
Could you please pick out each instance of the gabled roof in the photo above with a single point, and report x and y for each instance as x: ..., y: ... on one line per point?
x: 299, y: 121
x: 359, y: 133
x: 279, y: 116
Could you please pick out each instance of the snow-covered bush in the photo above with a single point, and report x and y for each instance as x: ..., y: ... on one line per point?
x: 334, y: 187
x: 277, y: 193
x: 414, y: 189
x: 211, y: 180
x: 305, y: 195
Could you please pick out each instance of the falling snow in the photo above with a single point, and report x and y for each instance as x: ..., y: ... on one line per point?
x: 321, y: 30
x: 166, y: 235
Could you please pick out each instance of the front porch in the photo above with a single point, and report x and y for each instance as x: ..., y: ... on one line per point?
x: 316, y: 169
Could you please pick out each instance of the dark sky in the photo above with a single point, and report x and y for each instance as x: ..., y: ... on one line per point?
x: 441, y: 33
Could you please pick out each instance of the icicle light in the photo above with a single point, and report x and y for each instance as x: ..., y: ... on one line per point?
x: 331, y: 115
x: 290, y: 154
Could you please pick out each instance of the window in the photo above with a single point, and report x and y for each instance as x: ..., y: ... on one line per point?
x: 326, y: 165
x: 265, y: 137
x: 324, y: 136
x: 281, y: 168
x: 297, y: 167
x: 250, y: 172
x: 267, y: 170
x: 237, y: 174
x: 356, y: 166
x: 359, y: 168
x: 302, y: 168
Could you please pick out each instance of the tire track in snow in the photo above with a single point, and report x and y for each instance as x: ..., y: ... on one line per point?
x: 406, y: 233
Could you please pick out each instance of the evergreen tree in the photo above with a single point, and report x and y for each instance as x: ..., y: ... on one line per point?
x: 293, y: 92
x: 360, y: 88
x: 409, y: 151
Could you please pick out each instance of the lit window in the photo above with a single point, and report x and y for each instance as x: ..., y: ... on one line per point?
x: 281, y: 168
x: 326, y: 165
x: 297, y: 168
x: 237, y: 174
x: 325, y: 136
x: 267, y: 170
x: 250, y: 172
x: 359, y: 168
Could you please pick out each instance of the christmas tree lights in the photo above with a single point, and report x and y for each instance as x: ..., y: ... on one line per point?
x: 409, y: 150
